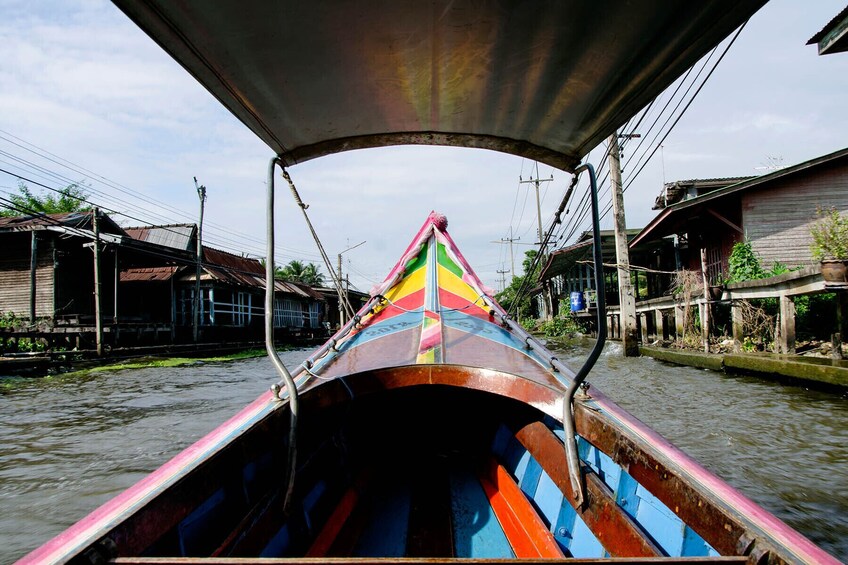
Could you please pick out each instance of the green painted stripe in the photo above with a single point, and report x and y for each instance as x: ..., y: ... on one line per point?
x: 417, y: 263
x: 446, y: 262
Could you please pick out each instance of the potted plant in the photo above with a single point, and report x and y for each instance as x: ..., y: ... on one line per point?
x: 830, y: 244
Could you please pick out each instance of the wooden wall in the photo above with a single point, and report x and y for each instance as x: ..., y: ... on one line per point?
x: 15, y: 274
x: 777, y: 217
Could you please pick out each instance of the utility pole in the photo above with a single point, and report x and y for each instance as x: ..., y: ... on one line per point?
x: 201, y: 194
x: 502, y: 273
x: 98, y: 323
x: 341, y: 286
x: 627, y: 299
x: 537, y: 182
x: 510, y: 240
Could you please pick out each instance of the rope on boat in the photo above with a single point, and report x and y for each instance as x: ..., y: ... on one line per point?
x: 343, y: 300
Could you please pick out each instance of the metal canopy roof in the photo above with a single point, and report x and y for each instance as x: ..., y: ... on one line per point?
x: 544, y: 79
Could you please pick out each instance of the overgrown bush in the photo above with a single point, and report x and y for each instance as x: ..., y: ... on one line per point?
x: 830, y: 235
x: 560, y: 326
x: 10, y: 320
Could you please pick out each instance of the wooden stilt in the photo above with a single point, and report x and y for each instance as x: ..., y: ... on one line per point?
x: 787, y: 324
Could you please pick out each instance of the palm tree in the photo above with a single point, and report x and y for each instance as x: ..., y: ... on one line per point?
x: 298, y: 271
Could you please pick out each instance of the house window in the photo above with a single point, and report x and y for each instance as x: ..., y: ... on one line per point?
x: 288, y: 313
x: 314, y: 314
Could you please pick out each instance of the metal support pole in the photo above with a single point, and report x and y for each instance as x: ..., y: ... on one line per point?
x: 269, y: 338
x: 572, y: 457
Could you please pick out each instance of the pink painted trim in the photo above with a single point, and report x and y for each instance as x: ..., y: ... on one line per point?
x: 100, y: 521
x: 411, y: 251
x: 748, y: 510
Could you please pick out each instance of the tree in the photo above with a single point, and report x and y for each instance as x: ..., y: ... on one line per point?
x: 298, y: 271
x: 72, y: 198
x: 510, y: 293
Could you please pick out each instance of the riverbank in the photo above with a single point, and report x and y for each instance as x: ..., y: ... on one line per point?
x: 816, y: 372
x: 74, y: 362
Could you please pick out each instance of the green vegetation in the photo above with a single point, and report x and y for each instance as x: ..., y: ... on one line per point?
x: 508, y: 296
x: 10, y: 320
x: 72, y: 198
x: 813, y: 312
x: 744, y: 265
x: 298, y: 271
x: 560, y: 327
x: 148, y: 362
x: 830, y: 236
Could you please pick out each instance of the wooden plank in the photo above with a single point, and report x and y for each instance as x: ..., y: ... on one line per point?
x: 430, y: 519
x: 527, y: 534
x: 414, y: 561
x: 719, y: 528
x: 322, y: 544
x: 618, y: 533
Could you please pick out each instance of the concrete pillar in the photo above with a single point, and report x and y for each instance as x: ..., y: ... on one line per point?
x: 643, y: 319
x: 679, y: 312
x: 658, y: 316
x: 787, y: 324
x: 738, y: 329
x: 703, y: 312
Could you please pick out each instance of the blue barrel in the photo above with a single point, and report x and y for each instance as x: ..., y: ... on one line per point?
x: 578, y: 303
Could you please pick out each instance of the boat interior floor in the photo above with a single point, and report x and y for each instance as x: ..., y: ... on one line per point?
x: 423, y: 474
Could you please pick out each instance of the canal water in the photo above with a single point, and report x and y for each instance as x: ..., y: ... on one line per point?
x: 69, y: 444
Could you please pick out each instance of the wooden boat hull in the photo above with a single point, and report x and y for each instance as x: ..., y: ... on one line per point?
x: 430, y: 427
x: 436, y: 462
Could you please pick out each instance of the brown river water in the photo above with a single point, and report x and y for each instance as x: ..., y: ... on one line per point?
x: 69, y: 444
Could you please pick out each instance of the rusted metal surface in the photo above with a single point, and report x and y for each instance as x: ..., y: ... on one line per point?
x: 616, y: 531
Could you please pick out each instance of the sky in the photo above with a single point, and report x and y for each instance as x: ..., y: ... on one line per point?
x: 85, y: 96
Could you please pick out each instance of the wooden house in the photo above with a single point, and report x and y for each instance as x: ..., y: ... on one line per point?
x: 773, y: 212
x: 232, y: 292
x: 147, y: 284
x: 47, y: 267
x: 571, y: 269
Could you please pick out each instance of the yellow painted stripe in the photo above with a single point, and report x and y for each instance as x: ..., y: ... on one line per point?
x: 452, y: 283
x: 407, y: 285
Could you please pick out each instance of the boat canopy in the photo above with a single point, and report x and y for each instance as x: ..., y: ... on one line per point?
x: 543, y: 79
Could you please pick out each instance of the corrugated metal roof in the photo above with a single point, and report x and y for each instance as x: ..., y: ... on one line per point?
x: 755, y: 182
x: 175, y: 236
x: 80, y: 220
x: 829, y: 26
x: 148, y: 274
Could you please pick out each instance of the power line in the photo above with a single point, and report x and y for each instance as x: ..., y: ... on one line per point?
x: 222, y: 233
